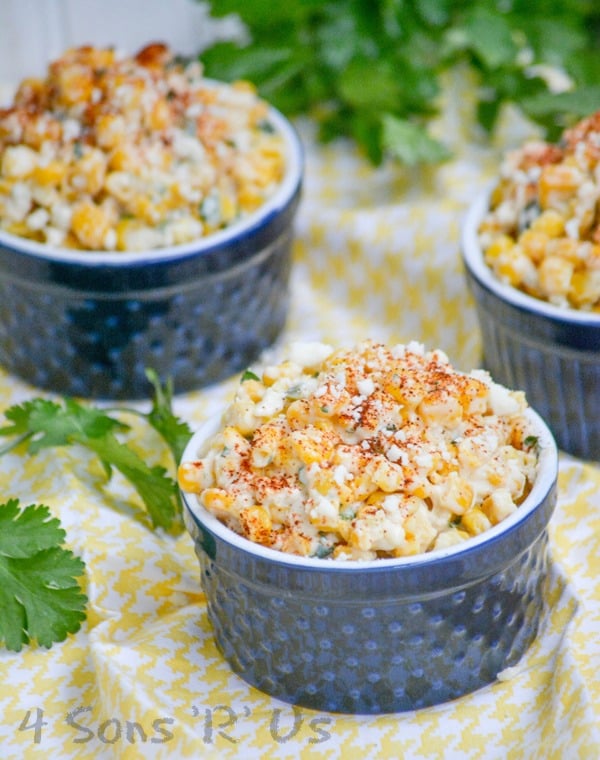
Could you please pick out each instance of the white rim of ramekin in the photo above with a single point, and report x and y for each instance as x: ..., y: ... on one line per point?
x: 280, y: 198
x: 546, y: 477
x: 473, y: 257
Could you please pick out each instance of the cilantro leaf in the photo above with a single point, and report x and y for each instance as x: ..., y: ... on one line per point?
x: 40, y: 423
x: 249, y: 63
x: 489, y: 35
x: 248, y: 375
x: 156, y: 489
x: 578, y: 103
x: 175, y: 432
x: 46, y: 423
x: 352, y: 63
x: 410, y: 142
x: 383, y: 92
x: 39, y: 594
x: 31, y: 530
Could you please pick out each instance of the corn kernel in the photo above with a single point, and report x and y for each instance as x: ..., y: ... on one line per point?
x: 254, y: 389
x: 475, y: 521
x: 52, y: 173
x: 585, y: 288
x: 500, y: 244
x: 19, y: 161
x: 122, y: 228
x: 298, y: 414
x: 309, y: 446
x: 228, y: 207
x: 549, y: 222
x: 110, y: 130
x: 124, y: 158
x: 515, y: 268
x: 249, y: 198
x: 256, y: 524
x: 29, y: 90
x: 565, y: 248
x: 89, y: 223
x: 89, y: 172
x: 498, y: 506
x: 73, y: 84
x: 216, y: 499
x: 141, y: 207
x: 243, y: 85
x: 388, y: 477
x: 421, y: 492
x: 555, y: 275
x: 557, y: 183
x: 160, y: 116
x: 534, y: 243
x: 189, y: 476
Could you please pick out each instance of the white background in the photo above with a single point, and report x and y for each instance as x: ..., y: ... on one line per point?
x: 32, y: 32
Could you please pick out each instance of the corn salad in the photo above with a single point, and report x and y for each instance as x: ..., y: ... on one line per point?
x: 365, y: 453
x: 542, y: 233
x: 111, y: 152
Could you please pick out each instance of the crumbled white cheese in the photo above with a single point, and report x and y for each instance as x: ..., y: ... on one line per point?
x: 377, y: 479
x: 309, y: 354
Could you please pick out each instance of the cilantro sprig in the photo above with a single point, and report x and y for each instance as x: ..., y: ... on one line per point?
x: 373, y: 70
x: 40, y: 596
x: 39, y: 593
x: 42, y: 423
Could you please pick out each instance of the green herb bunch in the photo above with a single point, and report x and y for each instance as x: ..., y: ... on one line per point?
x: 40, y: 596
x: 372, y: 70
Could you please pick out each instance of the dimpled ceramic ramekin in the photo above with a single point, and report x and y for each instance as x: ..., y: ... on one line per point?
x: 89, y: 323
x: 378, y: 636
x: 551, y: 353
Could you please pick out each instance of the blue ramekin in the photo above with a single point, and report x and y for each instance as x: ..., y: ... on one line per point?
x: 381, y: 636
x: 551, y: 353
x: 90, y: 323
